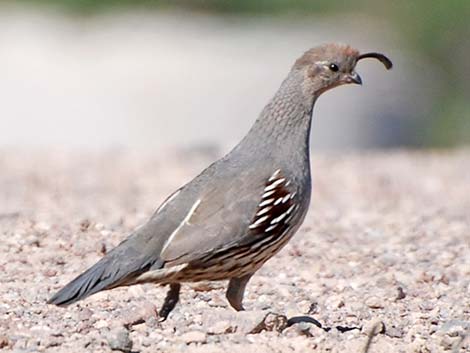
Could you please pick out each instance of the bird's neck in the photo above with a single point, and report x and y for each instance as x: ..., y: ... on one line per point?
x: 284, y: 123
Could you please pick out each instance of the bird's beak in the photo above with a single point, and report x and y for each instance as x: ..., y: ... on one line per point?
x: 353, y: 77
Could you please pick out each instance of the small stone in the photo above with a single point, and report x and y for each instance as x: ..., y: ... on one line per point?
x: 84, y: 314
x: 49, y: 342
x: 103, y: 249
x: 105, y: 232
x: 242, y: 322
x: 101, y: 324
x: 59, y: 260
x: 204, y: 286
x: 83, y: 327
x: 218, y: 301
x: 194, y: 337
x: 139, y: 327
x: 119, y: 340
x: 32, y: 240
x: 334, y: 302
x: 271, y: 322
x: 136, y: 291
x: 152, y: 322
x: 448, y: 342
x: 42, y: 227
x: 313, y: 309
x: 50, y: 272
x: 300, y: 329
x: 292, y: 331
x: 401, y: 294
x: 4, y: 342
x: 458, y: 328
x: 427, y: 277
x: 84, y: 225
x: 140, y: 314
x: 426, y: 305
x: 374, y: 302
x: 445, y: 280
x: 419, y: 346
x: 220, y: 328
x: 395, y: 332
x: 374, y: 327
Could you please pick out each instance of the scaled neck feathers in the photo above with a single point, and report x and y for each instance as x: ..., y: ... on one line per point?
x: 285, y: 121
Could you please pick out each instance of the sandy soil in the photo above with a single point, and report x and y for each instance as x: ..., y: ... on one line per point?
x: 385, y: 248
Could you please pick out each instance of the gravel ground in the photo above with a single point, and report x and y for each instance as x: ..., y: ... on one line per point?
x: 385, y: 249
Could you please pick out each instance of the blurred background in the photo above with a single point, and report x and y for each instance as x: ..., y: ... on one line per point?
x: 144, y: 74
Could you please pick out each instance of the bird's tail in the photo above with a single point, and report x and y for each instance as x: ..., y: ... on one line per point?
x: 118, y: 268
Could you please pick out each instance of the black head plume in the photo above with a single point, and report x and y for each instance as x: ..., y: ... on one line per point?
x: 382, y: 58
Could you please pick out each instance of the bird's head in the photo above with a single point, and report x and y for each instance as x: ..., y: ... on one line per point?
x: 331, y: 65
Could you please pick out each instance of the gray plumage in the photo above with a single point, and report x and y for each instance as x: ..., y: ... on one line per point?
x: 242, y: 209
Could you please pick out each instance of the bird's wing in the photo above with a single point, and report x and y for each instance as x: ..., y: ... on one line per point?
x: 197, y: 220
x: 236, y: 211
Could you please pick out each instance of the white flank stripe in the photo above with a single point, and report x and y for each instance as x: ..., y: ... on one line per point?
x: 264, y: 210
x: 167, y: 201
x: 274, y: 175
x: 270, y: 228
x: 269, y: 193
x: 156, y: 275
x: 185, y: 221
x: 278, y: 219
x: 286, y: 198
x: 290, y: 209
x: 274, y: 184
x: 278, y: 201
x: 266, y: 202
x: 258, y: 222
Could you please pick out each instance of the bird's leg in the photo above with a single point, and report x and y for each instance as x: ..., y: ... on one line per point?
x: 235, y: 291
x: 170, y: 302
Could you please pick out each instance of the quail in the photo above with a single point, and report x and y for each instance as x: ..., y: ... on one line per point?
x: 242, y: 209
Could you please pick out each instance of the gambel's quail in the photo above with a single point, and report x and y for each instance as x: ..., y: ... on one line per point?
x: 242, y: 209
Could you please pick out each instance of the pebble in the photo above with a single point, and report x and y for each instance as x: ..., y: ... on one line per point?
x: 118, y: 340
x: 85, y: 314
x: 194, y: 337
x: 334, y: 302
x: 401, y: 294
x: 426, y: 305
x: 218, y: 301
x: 136, y: 291
x: 374, y: 302
x: 271, y: 322
x: 313, y: 308
x: 395, y: 332
x: 42, y: 227
x: 374, y: 326
x: 220, y: 328
x: 33, y: 241
x: 101, y: 324
x: 204, y: 286
x: 419, y: 346
x: 84, y: 225
x: 139, y: 314
x: 50, y: 272
x: 448, y: 342
x: 4, y: 342
x: 302, y: 329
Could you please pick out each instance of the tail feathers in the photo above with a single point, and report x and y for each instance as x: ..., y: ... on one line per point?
x: 105, y: 274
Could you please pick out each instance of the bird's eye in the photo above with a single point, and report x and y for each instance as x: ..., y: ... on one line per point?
x: 333, y: 67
